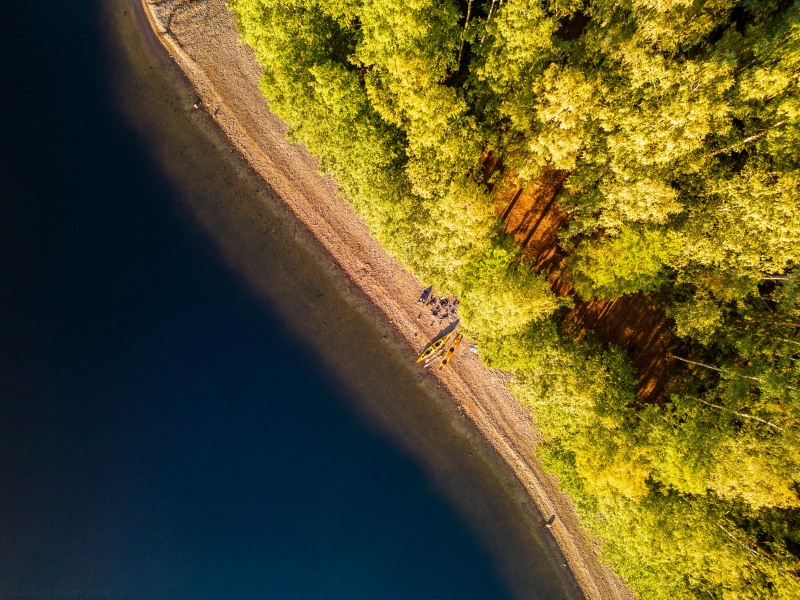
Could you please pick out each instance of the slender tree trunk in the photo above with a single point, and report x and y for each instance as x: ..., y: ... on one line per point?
x: 491, y: 10
x: 741, y: 414
x: 718, y: 370
x: 752, y: 138
x: 713, y: 368
x: 488, y: 19
x: 764, y: 335
x: 464, y: 36
x: 739, y: 542
x: 694, y: 362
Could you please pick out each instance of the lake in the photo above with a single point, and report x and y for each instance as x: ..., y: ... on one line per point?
x: 194, y: 403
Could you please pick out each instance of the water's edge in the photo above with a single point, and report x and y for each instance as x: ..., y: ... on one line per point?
x: 245, y: 222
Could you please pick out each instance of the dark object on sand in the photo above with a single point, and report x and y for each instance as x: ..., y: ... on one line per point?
x: 423, y: 299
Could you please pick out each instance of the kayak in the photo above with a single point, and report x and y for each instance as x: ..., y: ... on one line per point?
x: 450, y: 352
x: 434, y: 347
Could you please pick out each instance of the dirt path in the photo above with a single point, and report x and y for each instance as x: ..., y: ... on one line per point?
x: 636, y: 322
x: 201, y: 37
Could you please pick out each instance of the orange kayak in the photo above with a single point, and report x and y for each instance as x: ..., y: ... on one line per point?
x: 448, y: 355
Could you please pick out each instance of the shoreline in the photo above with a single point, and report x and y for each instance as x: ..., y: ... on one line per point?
x: 231, y: 97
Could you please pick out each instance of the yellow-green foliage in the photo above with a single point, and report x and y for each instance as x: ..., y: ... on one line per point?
x: 632, y: 260
x: 679, y: 124
x: 502, y: 296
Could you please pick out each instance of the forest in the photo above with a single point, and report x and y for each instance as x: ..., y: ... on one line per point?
x: 676, y: 127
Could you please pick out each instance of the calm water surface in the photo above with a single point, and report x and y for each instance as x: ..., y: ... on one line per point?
x: 166, y: 432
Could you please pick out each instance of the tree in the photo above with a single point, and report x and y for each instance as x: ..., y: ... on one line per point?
x: 632, y: 261
x: 503, y: 296
x: 678, y: 124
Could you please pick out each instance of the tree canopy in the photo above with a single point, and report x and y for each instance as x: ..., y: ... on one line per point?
x: 678, y: 124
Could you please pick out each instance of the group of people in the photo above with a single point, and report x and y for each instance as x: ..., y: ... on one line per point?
x: 444, y: 308
x: 441, y: 307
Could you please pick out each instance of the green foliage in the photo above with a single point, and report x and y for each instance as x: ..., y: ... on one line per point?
x: 644, y: 200
x: 503, y: 296
x: 679, y: 124
x: 632, y: 261
x: 612, y: 462
x: 698, y: 318
x: 569, y: 385
x: 698, y: 538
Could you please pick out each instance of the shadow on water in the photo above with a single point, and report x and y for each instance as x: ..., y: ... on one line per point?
x: 279, y: 262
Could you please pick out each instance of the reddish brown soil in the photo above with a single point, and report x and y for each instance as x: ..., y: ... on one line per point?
x: 637, y: 322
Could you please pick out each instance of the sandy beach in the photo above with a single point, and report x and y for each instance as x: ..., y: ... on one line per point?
x: 201, y: 38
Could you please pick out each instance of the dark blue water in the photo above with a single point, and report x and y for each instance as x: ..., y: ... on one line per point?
x: 162, y: 434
